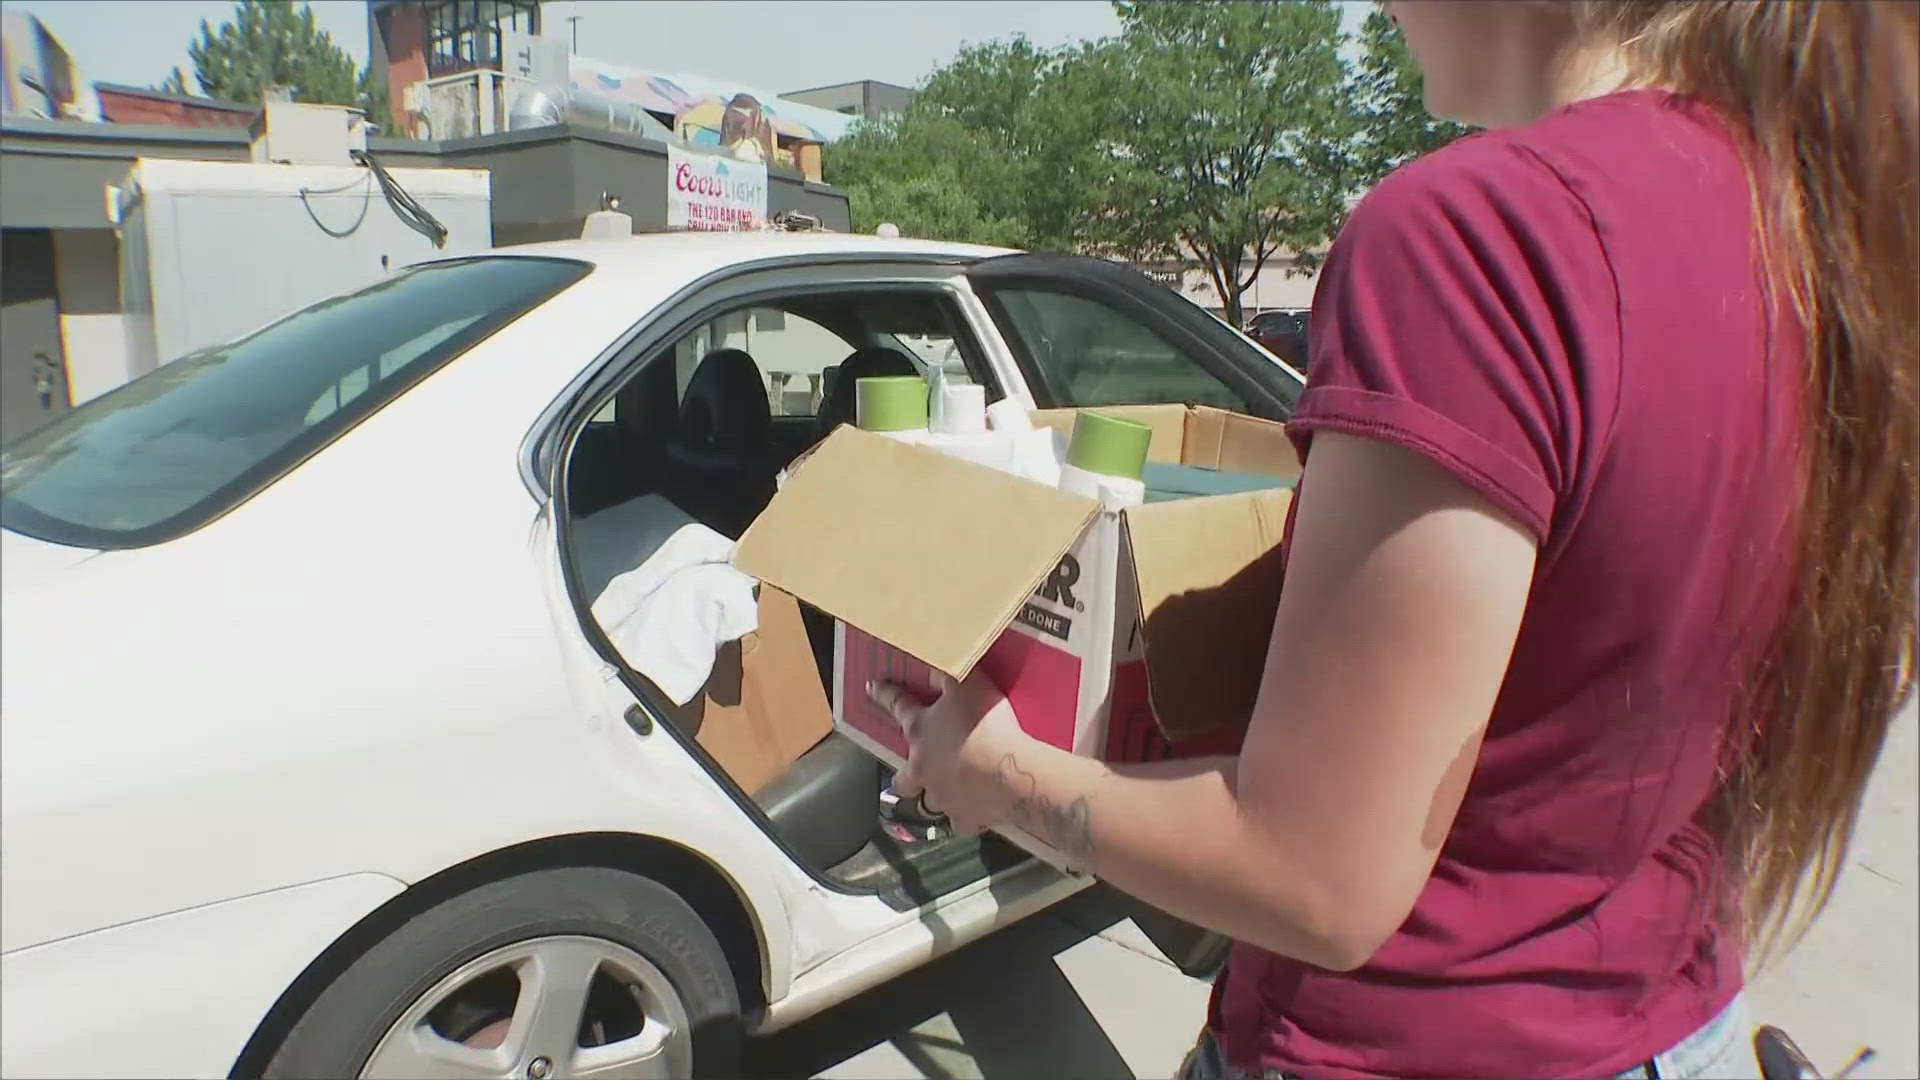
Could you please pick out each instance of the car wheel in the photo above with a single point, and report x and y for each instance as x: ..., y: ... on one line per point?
x: 556, y: 973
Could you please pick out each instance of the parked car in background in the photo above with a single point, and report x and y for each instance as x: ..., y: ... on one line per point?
x: 1283, y: 332
x: 318, y: 759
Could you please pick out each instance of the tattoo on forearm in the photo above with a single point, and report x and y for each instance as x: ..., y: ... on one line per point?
x: 1068, y: 828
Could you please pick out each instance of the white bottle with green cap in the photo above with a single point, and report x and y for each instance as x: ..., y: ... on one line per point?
x: 1105, y: 458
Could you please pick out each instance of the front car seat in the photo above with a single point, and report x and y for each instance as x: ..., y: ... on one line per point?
x: 837, y: 399
x: 721, y: 459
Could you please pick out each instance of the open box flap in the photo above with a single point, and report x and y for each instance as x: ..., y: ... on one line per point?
x: 930, y: 553
x: 1209, y: 573
x: 1230, y: 442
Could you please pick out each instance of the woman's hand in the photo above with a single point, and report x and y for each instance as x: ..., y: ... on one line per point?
x: 956, y: 747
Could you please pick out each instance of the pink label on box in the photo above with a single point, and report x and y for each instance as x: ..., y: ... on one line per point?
x: 1042, y: 684
x: 869, y: 659
x: 1040, y: 681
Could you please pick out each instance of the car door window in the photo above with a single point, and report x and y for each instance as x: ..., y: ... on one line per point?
x: 936, y: 351
x: 792, y: 352
x: 1085, y: 352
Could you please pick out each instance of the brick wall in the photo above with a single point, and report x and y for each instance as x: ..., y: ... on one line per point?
x: 123, y: 107
x: 404, y: 29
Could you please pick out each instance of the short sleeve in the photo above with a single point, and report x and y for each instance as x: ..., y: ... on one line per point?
x: 1467, y: 312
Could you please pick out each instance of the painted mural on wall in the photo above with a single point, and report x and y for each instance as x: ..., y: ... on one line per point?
x: 737, y: 122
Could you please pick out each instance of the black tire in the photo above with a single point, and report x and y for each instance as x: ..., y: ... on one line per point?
x: 340, y: 1030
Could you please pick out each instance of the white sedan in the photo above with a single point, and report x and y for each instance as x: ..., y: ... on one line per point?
x: 315, y: 759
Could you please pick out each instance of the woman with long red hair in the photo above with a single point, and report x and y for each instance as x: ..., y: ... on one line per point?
x: 1601, y: 577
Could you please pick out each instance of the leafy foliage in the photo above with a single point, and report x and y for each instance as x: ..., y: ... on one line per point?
x: 981, y: 129
x: 1222, y: 129
x: 273, y: 43
x: 1215, y: 131
x: 1395, y: 123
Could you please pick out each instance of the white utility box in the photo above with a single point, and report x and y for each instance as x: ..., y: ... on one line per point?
x: 295, y: 133
x: 212, y: 250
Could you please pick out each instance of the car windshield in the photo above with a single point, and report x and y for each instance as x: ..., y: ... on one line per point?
x: 1281, y: 322
x: 171, y: 451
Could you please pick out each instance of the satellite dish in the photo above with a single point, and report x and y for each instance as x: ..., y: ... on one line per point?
x: 888, y: 231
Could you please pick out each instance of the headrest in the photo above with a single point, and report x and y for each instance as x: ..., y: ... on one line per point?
x: 837, y: 400
x: 725, y: 406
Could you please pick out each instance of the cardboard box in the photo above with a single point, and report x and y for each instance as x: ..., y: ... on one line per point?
x: 1132, y: 635
x: 763, y: 707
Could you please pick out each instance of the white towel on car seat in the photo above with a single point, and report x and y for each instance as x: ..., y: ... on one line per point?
x: 669, y: 615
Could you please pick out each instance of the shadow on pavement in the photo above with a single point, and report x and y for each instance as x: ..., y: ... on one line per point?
x: 1013, y: 1014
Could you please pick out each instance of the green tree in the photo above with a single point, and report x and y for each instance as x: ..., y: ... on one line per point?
x: 1033, y: 106
x: 932, y: 176
x: 1396, y: 125
x: 273, y: 43
x: 1222, y: 130
x: 970, y: 159
x: 1218, y: 131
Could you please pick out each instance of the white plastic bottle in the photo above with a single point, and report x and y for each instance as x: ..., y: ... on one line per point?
x: 960, y: 428
x: 898, y: 407
x: 1035, y: 453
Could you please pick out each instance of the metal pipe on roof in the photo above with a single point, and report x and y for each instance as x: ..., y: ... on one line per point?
x: 538, y: 108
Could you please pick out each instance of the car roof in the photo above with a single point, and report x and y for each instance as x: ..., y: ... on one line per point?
x: 688, y: 255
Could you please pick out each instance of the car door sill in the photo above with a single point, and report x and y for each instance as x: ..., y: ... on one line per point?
x: 999, y: 901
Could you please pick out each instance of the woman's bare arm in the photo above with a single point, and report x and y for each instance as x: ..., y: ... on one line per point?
x: 1404, y: 595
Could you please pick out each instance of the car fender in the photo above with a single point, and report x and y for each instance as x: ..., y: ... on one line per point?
x: 175, y: 995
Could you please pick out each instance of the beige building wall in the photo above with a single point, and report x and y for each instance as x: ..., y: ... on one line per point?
x: 1274, y: 287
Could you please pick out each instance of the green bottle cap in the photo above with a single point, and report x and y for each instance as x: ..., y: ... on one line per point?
x: 1109, y: 445
x: 890, y: 403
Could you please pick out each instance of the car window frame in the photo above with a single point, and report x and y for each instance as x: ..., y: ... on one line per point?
x: 558, y: 422
x: 759, y: 364
x: 966, y: 334
x: 1217, y: 348
x: 548, y: 448
x: 1016, y: 330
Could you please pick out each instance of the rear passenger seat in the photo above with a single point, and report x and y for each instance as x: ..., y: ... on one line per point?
x: 720, y: 464
x: 837, y: 397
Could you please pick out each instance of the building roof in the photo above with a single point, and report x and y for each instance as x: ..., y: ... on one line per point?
x: 856, y: 82
x: 54, y: 172
x: 177, y: 99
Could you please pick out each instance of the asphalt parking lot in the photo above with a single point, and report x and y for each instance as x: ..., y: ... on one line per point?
x: 1080, y: 992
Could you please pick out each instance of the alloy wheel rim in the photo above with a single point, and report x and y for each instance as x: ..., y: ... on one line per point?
x: 543, y: 1009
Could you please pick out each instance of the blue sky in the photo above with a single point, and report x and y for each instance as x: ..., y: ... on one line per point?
x: 781, y: 46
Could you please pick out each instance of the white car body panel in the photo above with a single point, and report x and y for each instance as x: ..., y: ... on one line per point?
x: 182, y: 990
x: 965, y: 916
x: 217, y: 756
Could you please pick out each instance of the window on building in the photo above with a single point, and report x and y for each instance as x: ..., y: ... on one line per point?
x: 465, y: 34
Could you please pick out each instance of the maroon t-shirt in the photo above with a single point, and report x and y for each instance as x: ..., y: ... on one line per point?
x: 1569, y: 317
